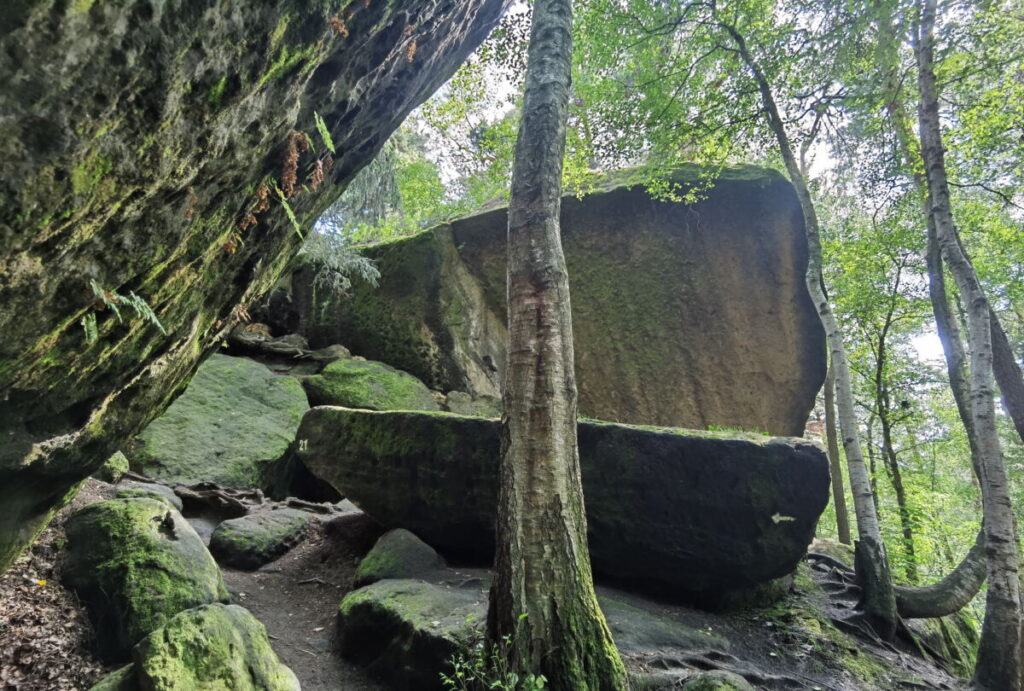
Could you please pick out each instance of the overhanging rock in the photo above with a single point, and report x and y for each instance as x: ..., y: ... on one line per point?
x: 151, y: 156
x: 685, y: 512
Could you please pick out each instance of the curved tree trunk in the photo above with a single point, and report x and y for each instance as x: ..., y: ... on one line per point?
x: 543, y: 597
x: 832, y: 441
x: 872, y: 562
x: 949, y: 595
x: 1000, y: 665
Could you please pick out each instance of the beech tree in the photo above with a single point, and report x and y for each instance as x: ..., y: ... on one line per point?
x: 543, y: 607
x: 999, y: 663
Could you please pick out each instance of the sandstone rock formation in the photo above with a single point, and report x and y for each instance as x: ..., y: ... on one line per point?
x: 211, y: 647
x: 251, y: 541
x: 235, y: 419
x: 143, y: 145
x: 688, y: 315
x: 667, y: 509
x: 136, y: 563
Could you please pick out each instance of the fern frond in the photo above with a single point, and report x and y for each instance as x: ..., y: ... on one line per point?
x: 325, y: 133
x: 291, y: 214
x: 88, y: 323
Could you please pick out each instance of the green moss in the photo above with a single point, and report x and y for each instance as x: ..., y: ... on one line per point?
x: 136, y: 563
x: 88, y: 173
x: 216, y: 92
x: 367, y: 384
x: 81, y: 6
x: 212, y: 647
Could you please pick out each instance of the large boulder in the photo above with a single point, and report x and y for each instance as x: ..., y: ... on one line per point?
x: 210, y: 647
x: 668, y: 509
x: 368, y: 384
x: 407, y: 630
x: 136, y: 563
x: 684, y: 314
x: 143, y: 147
x: 251, y: 541
x: 234, y: 421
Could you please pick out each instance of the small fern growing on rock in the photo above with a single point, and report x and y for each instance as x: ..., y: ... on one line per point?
x: 113, y: 301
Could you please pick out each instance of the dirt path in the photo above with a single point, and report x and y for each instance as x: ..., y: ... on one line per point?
x: 297, y: 598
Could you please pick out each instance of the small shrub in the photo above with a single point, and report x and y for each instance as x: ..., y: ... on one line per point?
x: 485, y: 667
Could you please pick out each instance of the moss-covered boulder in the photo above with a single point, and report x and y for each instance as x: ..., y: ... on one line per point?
x: 234, y: 421
x: 397, y: 554
x: 149, y: 490
x: 113, y: 468
x: 688, y: 315
x: 406, y: 631
x: 123, y: 679
x: 251, y: 541
x: 694, y: 514
x: 144, y: 144
x: 136, y: 563
x: 368, y: 384
x: 477, y: 406
x: 212, y: 647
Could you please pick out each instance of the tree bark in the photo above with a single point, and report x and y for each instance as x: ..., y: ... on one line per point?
x: 872, y: 563
x: 1000, y: 665
x: 1009, y: 377
x: 832, y: 442
x: 543, y: 609
x: 949, y: 595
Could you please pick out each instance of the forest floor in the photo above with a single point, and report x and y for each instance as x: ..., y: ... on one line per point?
x: 297, y: 597
x: 45, y: 636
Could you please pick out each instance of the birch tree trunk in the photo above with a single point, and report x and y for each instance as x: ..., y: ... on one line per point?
x: 999, y: 665
x: 832, y: 442
x: 543, y: 597
x: 872, y: 563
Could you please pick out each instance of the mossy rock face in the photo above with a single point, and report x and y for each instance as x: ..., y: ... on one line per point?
x: 149, y: 490
x: 476, y: 406
x: 210, y: 648
x: 397, y: 554
x: 688, y: 315
x: 406, y: 631
x: 121, y: 680
x: 251, y: 541
x: 682, y: 513
x: 135, y: 170
x: 136, y: 563
x: 113, y: 469
x: 368, y: 384
x: 717, y: 680
x: 235, y: 420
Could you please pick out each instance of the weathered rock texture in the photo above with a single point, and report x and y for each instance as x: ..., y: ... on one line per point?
x: 235, y: 419
x: 686, y: 315
x: 136, y: 563
x: 668, y: 510
x: 251, y: 541
x: 137, y: 138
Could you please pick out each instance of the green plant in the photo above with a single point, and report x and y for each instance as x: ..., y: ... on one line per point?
x: 336, y: 263
x: 112, y: 301
x: 88, y: 323
x: 483, y: 666
x: 325, y: 134
x: 289, y: 212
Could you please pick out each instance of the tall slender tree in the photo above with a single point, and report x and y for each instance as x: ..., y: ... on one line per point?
x: 1000, y: 664
x: 543, y: 601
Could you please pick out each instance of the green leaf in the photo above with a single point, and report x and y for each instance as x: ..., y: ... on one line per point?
x: 325, y: 133
x: 288, y: 210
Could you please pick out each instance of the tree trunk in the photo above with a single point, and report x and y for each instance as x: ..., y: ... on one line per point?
x: 832, y: 441
x: 879, y: 600
x: 1008, y: 375
x: 949, y: 595
x: 999, y: 664
x: 543, y: 597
